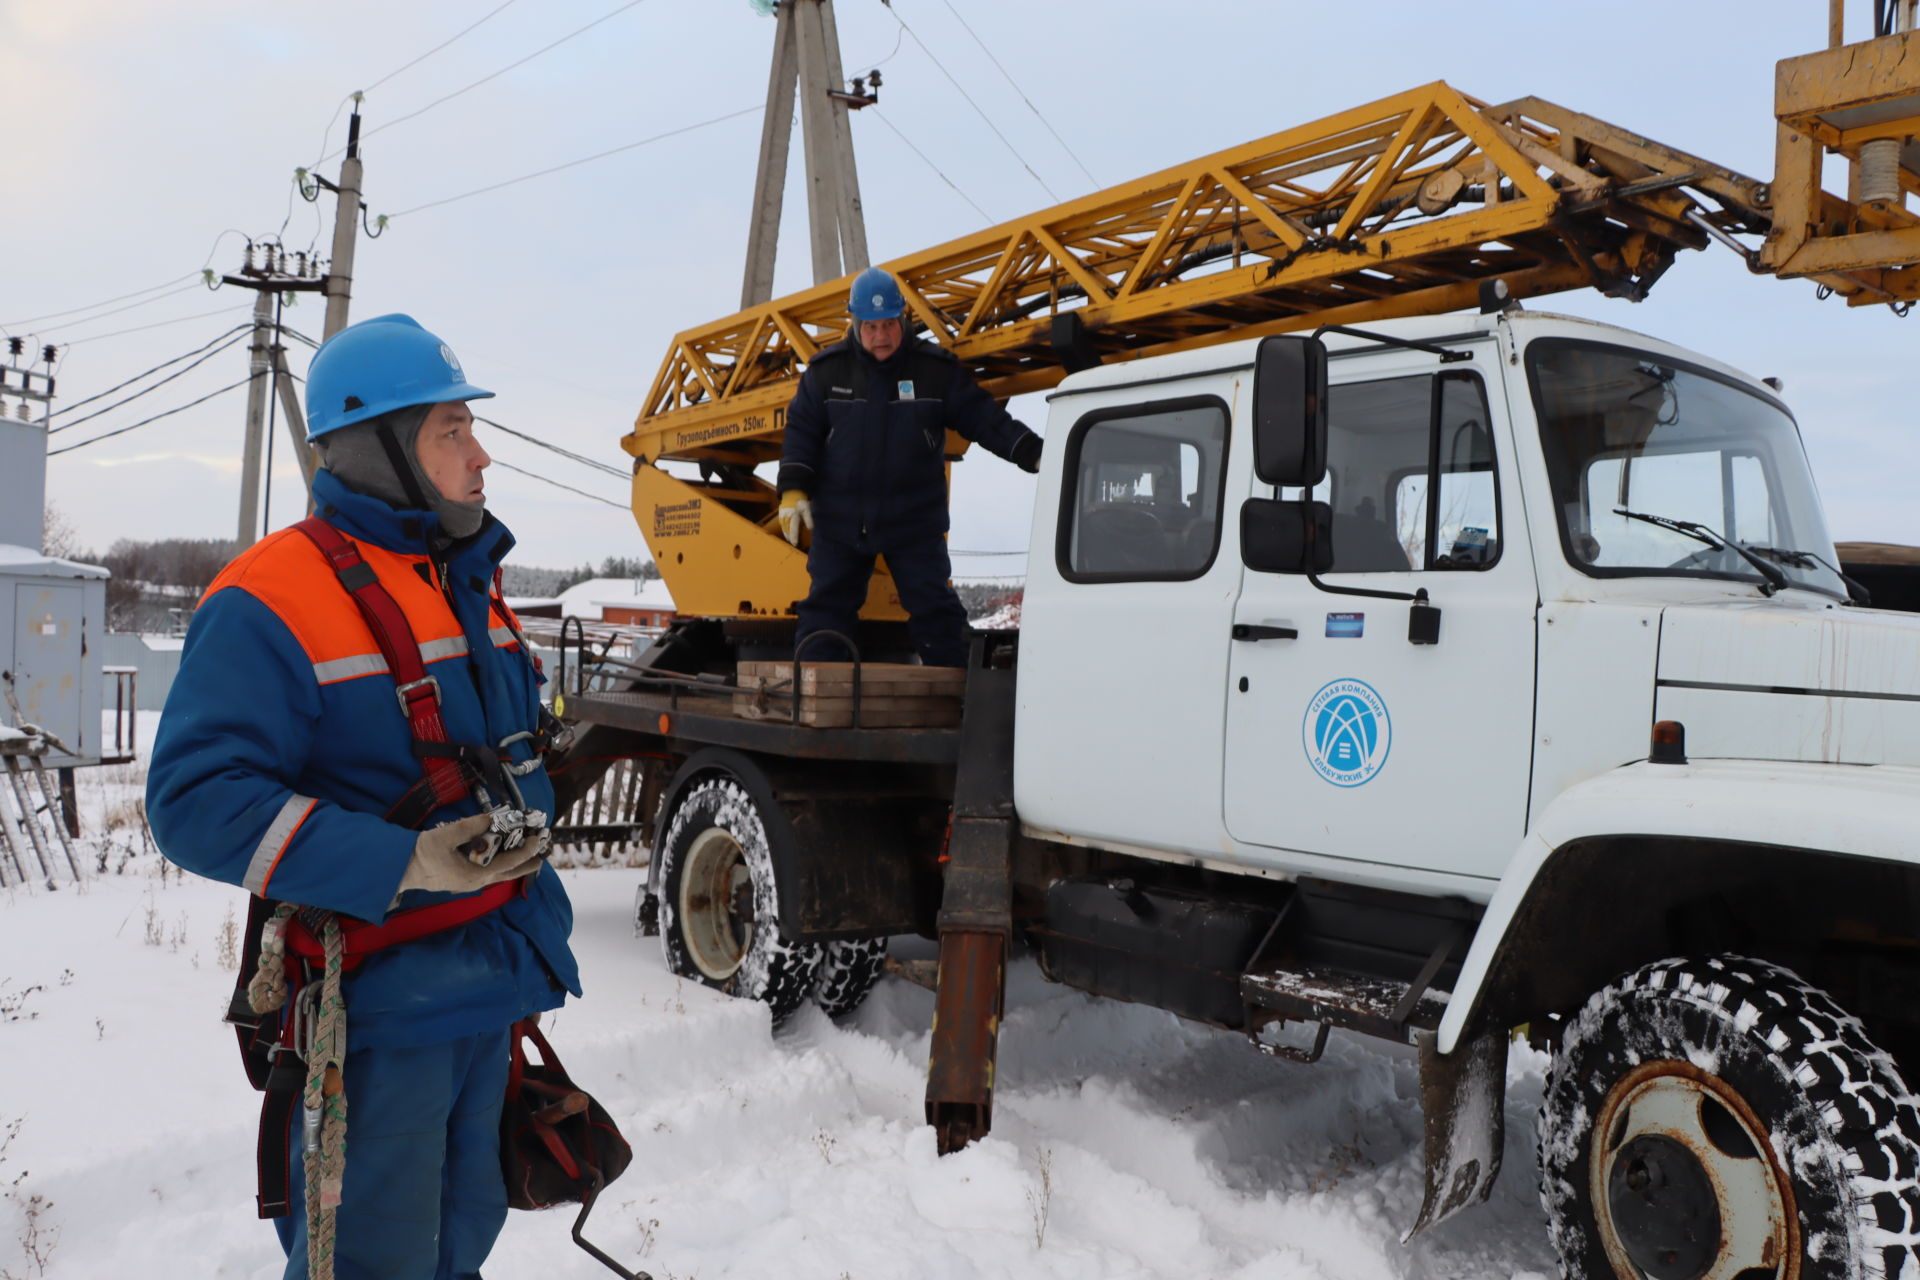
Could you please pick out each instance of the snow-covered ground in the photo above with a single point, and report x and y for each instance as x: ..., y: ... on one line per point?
x: 1126, y: 1143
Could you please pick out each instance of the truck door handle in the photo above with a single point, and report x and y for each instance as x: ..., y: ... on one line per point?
x: 1251, y: 631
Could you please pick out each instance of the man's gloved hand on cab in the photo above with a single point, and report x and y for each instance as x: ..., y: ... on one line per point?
x: 443, y: 858
x: 795, y: 512
x: 1026, y: 453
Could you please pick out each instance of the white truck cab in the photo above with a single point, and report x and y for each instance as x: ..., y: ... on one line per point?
x: 1510, y: 468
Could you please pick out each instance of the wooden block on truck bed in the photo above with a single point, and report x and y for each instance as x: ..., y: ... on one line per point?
x: 837, y: 713
x: 892, y: 695
x: 835, y: 679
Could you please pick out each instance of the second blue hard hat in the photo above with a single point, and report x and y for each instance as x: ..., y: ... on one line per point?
x: 875, y: 296
x: 377, y: 366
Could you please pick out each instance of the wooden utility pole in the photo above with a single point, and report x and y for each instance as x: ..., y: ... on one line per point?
x: 806, y: 57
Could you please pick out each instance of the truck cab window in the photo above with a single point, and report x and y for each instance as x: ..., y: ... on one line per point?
x: 1146, y: 494
x: 1410, y: 475
x: 1626, y: 431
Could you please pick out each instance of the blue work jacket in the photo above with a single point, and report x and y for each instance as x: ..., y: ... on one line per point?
x: 283, y: 745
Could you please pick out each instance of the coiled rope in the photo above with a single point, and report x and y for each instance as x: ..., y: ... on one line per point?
x: 324, y: 1098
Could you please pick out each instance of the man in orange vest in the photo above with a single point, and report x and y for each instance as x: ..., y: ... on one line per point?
x: 356, y: 730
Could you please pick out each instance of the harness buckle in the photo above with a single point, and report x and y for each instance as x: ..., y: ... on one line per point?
x: 401, y: 691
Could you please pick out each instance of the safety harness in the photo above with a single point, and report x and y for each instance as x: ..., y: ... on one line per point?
x: 274, y: 1036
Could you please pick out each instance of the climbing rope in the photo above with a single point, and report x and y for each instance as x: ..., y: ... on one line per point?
x: 320, y: 1035
x: 267, y: 989
x: 325, y: 1101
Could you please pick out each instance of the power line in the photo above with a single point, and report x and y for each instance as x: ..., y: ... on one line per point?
x: 21, y: 324
x: 120, y: 431
x: 88, y: 417
x: 532, y: 475
x: 189, y: 288
x: 931, y: 165
x: 237, y: 329
x: 580, y: 458
x: 158, y: 324
x: 1017, y: 89
x: 898, y: 40
x: 528, y: 177
x: 428, y: 54
x: 976, y: 106
x: 1021, y: 552
x: 497, y: 74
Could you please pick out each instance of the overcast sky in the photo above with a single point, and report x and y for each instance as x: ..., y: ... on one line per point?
x: 147, y: 140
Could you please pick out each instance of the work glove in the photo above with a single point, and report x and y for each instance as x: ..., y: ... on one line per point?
x: 1026, y: 453
x: 795, y: 512
x: 443, y: 858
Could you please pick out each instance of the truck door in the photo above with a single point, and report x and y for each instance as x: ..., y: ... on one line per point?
x: 1123, y: 651
x: 1346, y: 740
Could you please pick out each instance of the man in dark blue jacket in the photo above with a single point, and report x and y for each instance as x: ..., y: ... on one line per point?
x: 863, y: 466
x: 286, y: 763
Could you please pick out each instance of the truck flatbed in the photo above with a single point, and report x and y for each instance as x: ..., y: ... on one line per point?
x: 686, y: 723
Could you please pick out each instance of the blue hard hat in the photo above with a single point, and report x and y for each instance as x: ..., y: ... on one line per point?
x: 376, y: 366
x: 875, y: 296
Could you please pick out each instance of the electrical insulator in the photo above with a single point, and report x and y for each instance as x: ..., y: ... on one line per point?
x: 50, y: 354
x: 874, y: 76
x: 22, y: 413
x: 17, y: 346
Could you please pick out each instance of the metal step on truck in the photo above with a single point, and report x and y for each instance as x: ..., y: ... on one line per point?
x: 1455, y: 678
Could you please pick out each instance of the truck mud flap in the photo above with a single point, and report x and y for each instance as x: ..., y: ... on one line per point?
x: 1463, y: 1095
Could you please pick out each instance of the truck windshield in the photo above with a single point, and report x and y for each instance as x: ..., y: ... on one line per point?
x: 1625, y: 431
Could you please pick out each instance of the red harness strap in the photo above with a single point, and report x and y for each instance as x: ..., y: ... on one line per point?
x: 359, y: 938
x: 419, y: 693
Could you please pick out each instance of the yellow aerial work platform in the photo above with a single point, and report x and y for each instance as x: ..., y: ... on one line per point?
x: 1406, y: 206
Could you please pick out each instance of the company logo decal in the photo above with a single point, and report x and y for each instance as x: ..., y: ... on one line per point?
x: 1347, y: 733
x: 446, y: 353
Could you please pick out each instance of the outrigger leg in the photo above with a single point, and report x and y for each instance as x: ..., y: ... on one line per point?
x: 976, y: 916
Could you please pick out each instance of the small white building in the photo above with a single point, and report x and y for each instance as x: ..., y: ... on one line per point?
x: 644, y: 602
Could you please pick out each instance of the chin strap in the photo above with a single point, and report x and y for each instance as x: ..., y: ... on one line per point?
x: 401, y: 467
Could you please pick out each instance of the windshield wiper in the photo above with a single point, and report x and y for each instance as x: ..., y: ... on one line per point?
x: 1808, y: 559
x: 1775, y: 579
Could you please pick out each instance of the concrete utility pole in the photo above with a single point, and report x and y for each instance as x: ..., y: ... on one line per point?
x: 806, y: 56
x: 256, y: 418
x: 269, y: 273
x: 346, y: 223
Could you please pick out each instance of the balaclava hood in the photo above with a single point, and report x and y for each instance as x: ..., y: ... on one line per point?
x: 361, y: 460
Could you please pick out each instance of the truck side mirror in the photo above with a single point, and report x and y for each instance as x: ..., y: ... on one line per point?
x: 1286, y: 537
x: 1290, y: 411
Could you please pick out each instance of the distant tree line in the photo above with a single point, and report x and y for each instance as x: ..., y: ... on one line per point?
x: 156, y: 584
x: 527, y: 582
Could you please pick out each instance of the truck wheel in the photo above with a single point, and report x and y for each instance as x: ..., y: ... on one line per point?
x: 719, y: 907
x: 1721, y: 1119
x: 848, y: 971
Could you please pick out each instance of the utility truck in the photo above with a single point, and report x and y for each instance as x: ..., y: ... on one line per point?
x: 1440, y: 678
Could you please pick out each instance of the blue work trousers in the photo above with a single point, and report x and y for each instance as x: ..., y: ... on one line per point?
x: 936, y: 620
x: 424, y: 1196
